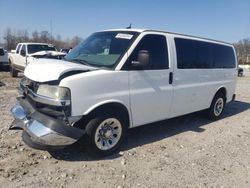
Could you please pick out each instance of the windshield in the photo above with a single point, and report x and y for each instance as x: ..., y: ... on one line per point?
x: 103, y: 49
x: 33, y: 48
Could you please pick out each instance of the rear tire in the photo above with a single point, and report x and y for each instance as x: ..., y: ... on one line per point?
x: 105, y: 133
x: 217, y: 106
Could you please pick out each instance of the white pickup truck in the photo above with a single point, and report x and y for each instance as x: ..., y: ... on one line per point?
x: 26, y: 53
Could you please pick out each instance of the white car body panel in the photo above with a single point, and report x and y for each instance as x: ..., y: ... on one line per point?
x: 151, y: 96
x: 40, y: 72
x: 146, y: 94
x: 94, y: 88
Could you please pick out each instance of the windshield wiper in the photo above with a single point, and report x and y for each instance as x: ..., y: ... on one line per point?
x: 79, y: 61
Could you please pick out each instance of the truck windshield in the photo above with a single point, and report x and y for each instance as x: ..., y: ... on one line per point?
x: 102, y: 49
x: 33, y: 48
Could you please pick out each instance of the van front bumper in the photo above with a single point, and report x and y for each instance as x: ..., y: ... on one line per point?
x: 41, y: 131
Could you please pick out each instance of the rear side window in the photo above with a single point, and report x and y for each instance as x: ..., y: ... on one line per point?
x: 1, y: 52
x: 156, y: 45
x: 223, y: 56
x: 204, y: 55
x: 186, y: 54
x: 192, y: 54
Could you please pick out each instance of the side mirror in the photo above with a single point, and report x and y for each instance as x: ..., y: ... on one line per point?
x: 142, y: 59
x: 23, y: 53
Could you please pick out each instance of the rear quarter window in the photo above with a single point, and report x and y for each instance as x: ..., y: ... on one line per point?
x: 194, y: 54
x: 223, y: 56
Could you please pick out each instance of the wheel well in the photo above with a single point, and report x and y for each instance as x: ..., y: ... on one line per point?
x: 120, y: 108
x: 10, y: 62
x: 223, y: 91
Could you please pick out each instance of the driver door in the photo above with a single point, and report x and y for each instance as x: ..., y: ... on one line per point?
x: 151, y: 90
x: 21, y: 61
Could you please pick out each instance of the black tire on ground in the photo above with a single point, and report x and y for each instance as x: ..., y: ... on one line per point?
x: 92, y: 130
x: 13, y: 72
x: 217, y: 106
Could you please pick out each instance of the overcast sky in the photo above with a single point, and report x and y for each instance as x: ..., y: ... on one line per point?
x: 227, y: 20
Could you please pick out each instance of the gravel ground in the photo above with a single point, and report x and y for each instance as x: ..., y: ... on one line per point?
x: 189, y: 151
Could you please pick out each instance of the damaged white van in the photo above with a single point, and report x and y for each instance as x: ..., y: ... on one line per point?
x: 120, y: 79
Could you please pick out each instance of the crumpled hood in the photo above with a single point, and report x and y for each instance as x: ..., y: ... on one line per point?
x: 44, y: 70
x: 47, y: 53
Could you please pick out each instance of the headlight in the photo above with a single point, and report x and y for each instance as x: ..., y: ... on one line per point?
x: 54, y: 92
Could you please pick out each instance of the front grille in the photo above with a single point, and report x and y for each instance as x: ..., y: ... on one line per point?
x: 32, y: 85
x: 53, y: 111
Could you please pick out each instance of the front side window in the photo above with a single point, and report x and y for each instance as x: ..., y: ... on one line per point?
x: 156, y: 45
x: 33, y: 48
x: 103, y: 49
x: 23, y: 50
x: 18, y: 48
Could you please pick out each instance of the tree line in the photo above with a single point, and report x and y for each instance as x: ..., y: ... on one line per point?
x: 243, y: 51
x: 12, y: 38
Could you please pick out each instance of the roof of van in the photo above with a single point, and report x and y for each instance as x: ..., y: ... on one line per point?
x: 174, y: 33
x: 132, y: 29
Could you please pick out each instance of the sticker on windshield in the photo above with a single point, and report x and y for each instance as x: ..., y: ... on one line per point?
x: 124, y: 36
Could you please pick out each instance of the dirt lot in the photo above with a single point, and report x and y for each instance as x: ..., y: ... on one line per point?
x: 188, y: 151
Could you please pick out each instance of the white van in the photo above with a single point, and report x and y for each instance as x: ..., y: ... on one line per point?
x: 120, y: 79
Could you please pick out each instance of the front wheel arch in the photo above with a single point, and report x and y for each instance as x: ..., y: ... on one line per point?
x: 118, y: 107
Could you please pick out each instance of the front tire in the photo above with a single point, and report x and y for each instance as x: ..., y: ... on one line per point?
x: 105, y: 133
x: 217, y: 107
x: 13, y: 71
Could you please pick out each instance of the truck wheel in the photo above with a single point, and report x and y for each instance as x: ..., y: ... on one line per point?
x: 13, y: 72
x: 217, y: 106
x: 105, y: 133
